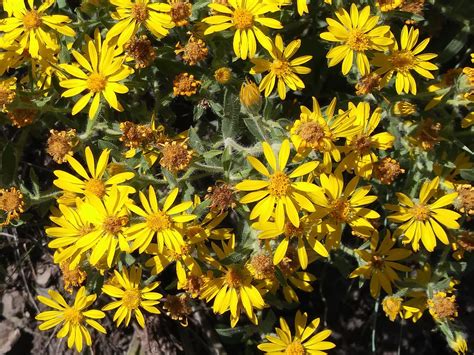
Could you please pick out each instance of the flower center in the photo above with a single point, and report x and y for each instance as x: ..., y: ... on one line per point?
x: 158, y: 221
x: 341, y: 210
x: 193, y: 284
x: 131, y: 299
x: 361, y: 143
x: 180, y: 12
x: 243, y: 19
x: 10, y: 200
x: 263, y: 267
x: 295, y: 348
x: 420, y: 212
x: 73, y: 316
x: 377, y: 262
x: 96, y: 82
x: 194, y: 231
x: 279, y: 184
x: 313, y: 133
x: 96, y: 187
x: 233, y: 278
x: 280, y: 67
x: 32, y: 20
x: 358, y: 41
x: 114, y: 224
x: 403, y: 61
x: 139, y: 12
x: 292, y: 231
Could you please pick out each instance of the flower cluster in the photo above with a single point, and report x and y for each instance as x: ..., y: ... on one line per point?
x: 205, y: 155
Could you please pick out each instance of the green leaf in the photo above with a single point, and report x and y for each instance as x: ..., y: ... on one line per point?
x: 467, y: 174
x: 9, y: 164
x: 231, y: 114
x: 195, y: 142
x: 255, y: 128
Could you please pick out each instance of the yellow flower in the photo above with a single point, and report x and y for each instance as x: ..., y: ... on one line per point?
x: 278, y: 194
x: 301, y: 5
x: 421, y: 220
x: 73, y: 317
x: 223, y: 75
x: 159, y: 222
x: 338, y: 206
x: 93, y: 181
x: 405, y: 59
x: 303, y: 342
x: 294, y: 277
x: 70, y: 225
x: 250, y: 95
x: 380, y: 264
x: 281, y: 68
x: 12, y: 204
x: 105, y: 69
x: 392, y: 306
x: 32, y: 29
x: 314, y: 131
x: 305, y: 234
x: 181, y: 11
x: 133, y: 14
x: 132, y: 297
x: 358, y: 32
x: 234, y: 290
x: 442, y: 306
x: 109, y: 215
x: 360, y: 156
x: 246, y: 17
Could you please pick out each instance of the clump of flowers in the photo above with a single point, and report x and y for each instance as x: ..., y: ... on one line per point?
x: 200, y: 164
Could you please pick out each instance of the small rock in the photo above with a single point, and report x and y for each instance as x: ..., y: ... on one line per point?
x: 43, y: 275
x: 13, y: 305
x: 8, y: 336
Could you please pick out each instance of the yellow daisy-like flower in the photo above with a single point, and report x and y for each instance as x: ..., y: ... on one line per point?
x: 104, y: 68
x: 405, y: 59
x: 31, y: 28
x: 380, y: 264
x: 74, y: 318
x: 281, y: 68
x: 305, y: 234
x: 294, y: 277
x: 94, y: 181
x: 421, y: 220
x: 358, y: 32
x: 246, y: 18
x: 315, y: 131
x: 70, y: 226
x: 133, y: 14
x: 110, y: 216
x: 301, y: 5
x: 159, y: 222
x: 132, y: 296
x: 234, y: 291
x: 360, y: 147
x: 279, y: 194
x: 305, y: 341
x: 339, y: 206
